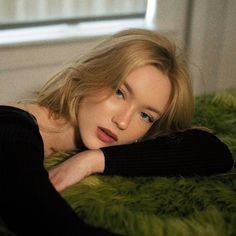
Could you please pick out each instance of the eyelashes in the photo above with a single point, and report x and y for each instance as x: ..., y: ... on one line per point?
x: 146, y: 117
x: 120, y: 93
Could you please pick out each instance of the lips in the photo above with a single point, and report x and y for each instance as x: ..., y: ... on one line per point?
x: 106, y: 136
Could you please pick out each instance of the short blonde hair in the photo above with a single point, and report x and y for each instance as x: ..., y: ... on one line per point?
x: 108, y: 65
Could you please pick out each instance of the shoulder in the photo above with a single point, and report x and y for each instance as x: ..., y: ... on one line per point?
x: 10, y: 115
x: 18, y: 129
x: 10, y: 112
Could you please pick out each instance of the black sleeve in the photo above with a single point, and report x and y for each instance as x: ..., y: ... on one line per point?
x: 188, y: 153
x: 29, y: 204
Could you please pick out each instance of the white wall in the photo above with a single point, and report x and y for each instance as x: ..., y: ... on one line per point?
x: 23, y: 69
x: 212, y: 45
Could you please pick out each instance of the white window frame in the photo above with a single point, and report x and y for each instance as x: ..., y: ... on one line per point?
x: 173, y: 22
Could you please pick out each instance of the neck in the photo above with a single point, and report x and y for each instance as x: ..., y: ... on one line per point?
x: 57, y: 138
x: 58, y: 134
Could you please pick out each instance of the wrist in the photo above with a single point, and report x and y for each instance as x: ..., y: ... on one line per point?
x: 96, y: 159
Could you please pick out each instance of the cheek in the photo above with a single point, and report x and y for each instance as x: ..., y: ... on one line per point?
x: 105, y: 109
x: 136, y: 130
x: 88, y: 109
x: 91, y: 110
x: 141, y: 131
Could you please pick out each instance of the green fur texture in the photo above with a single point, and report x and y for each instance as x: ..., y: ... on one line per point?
x: 198, y: 206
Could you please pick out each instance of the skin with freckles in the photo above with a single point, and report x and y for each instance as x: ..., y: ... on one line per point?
x: 128, y: 113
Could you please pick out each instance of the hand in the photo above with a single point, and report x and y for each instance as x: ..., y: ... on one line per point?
x: 76, y: 168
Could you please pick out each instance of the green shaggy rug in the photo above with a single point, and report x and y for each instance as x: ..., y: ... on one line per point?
x: 161, y: 206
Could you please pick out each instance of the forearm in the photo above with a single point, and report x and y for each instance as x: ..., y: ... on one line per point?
x: 96, y: 161
x: 187, y: 153
x: 76, y: 168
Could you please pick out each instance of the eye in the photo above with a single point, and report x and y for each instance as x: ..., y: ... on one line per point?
x: 146, y: 117
x: 119, y: 93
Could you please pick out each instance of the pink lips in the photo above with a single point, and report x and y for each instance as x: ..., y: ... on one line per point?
x: 106, y: 136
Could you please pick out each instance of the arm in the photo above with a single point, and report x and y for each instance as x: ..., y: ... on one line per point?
x: 76, y: 168
x: 185, y: 153
x: 193, y: 152
x: 29, y: 203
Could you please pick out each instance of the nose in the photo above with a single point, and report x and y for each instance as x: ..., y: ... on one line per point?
x: 123, y: 118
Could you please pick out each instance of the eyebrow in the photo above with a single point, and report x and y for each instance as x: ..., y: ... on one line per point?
x: 128, y: 87
x: 130, y: 90
x: 154, y: 110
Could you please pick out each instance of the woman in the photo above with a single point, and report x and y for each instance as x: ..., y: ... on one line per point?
x: 173, y: 147
x: 127, y: 107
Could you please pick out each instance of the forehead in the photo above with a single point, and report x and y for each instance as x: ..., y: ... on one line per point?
x: 150, y: 86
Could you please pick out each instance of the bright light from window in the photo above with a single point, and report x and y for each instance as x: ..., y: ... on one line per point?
x: 13, y: 12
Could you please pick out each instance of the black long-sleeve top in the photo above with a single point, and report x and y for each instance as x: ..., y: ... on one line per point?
x: 188, y: 153
x: 29, y: 201
x: 29, y: 204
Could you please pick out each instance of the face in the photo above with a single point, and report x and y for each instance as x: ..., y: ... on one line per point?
x: 128, y: 113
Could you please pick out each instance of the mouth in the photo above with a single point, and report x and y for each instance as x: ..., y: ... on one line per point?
x: 106, y: 135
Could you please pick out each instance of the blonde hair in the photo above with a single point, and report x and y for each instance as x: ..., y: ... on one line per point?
x: 108, y: 65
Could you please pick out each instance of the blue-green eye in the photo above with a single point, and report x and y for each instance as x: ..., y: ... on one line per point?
x: 119, y: 93
x: 146, y: 117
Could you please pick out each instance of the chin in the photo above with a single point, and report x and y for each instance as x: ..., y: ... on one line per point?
x: 92, y: 145
x: 96, y: 145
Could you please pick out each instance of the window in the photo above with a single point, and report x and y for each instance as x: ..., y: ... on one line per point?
x: 21, y: 13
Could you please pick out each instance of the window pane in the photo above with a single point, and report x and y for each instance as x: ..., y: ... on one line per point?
x: 29, y: 11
